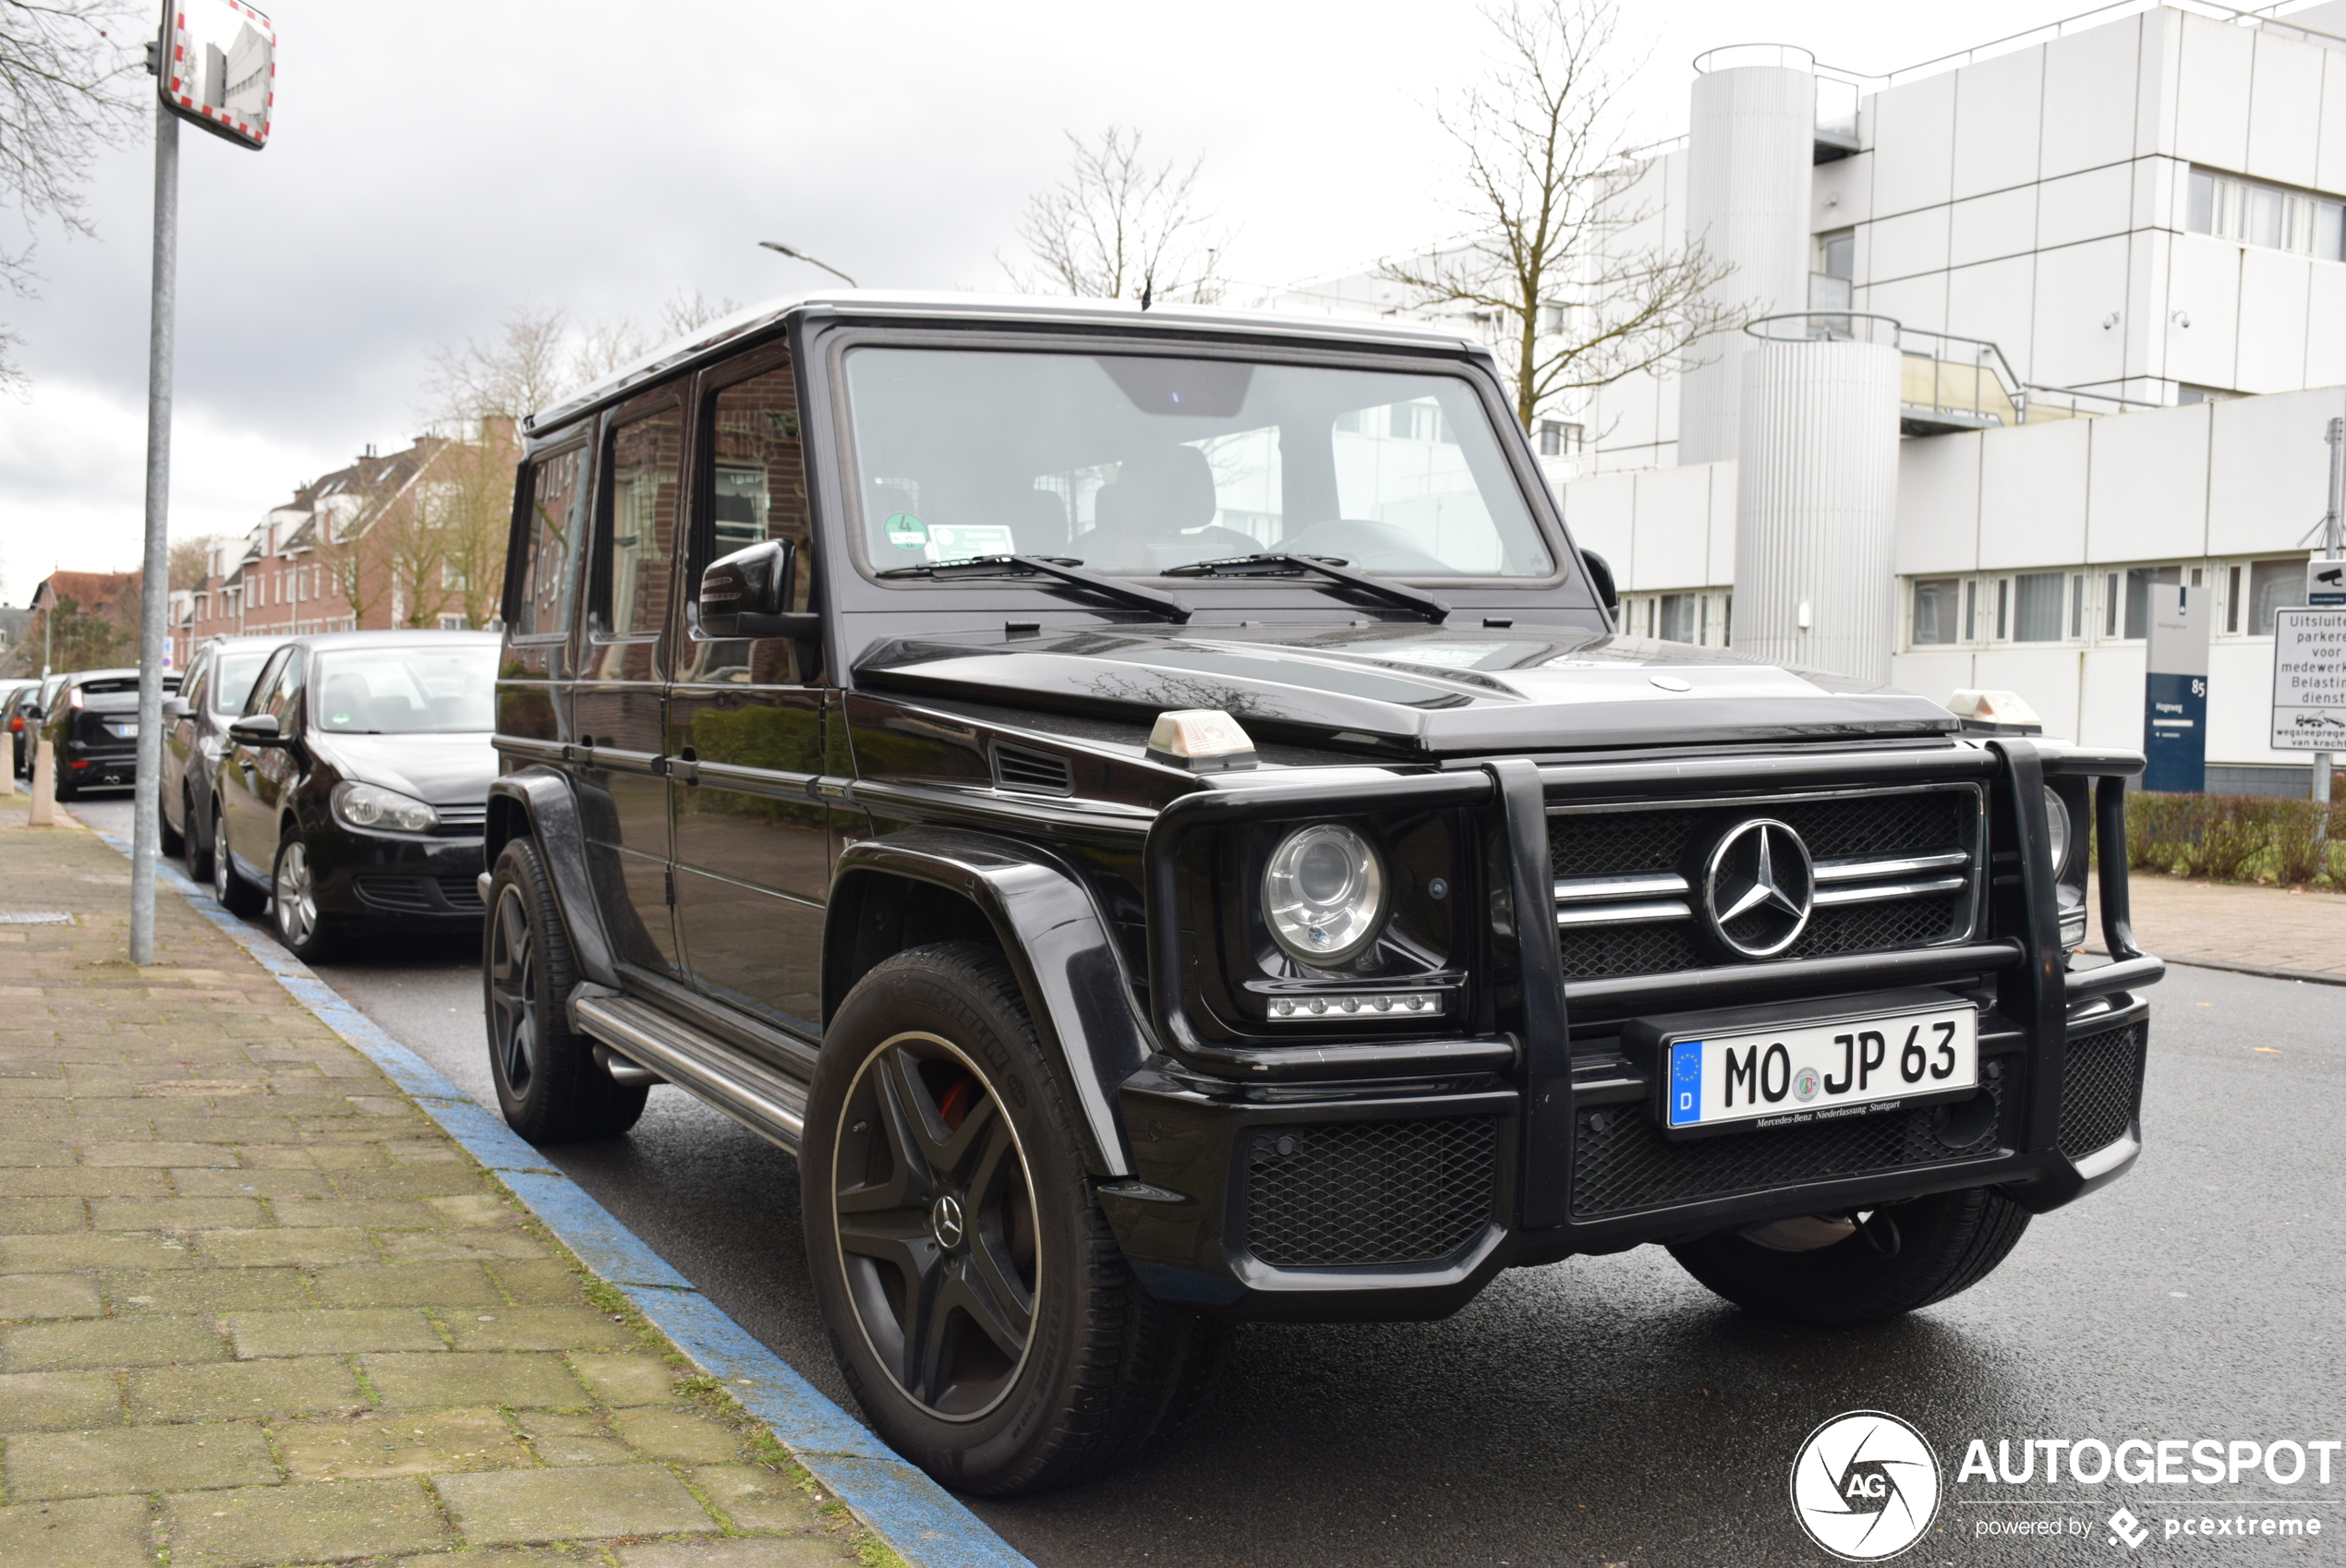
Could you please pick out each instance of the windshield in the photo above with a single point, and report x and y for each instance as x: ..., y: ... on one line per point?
x: 233, y: 684
x: 406, y: 691
x: 1135, y: 464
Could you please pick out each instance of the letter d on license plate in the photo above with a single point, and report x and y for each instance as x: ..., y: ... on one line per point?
x: 1819, y: 1070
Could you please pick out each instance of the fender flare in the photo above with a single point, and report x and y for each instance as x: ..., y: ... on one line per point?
x: 1075, y: 981
x: 538, y: 802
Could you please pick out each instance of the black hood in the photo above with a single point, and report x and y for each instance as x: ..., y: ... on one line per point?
x: 1423, y: 690
x: 441, y: 770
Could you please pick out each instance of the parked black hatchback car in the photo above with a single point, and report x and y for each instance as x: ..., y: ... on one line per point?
x: 350, y: 796
x: 1151, y: 808
x: 92, y: 723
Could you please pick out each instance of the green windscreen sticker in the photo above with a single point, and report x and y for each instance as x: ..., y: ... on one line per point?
x: 907, y: 532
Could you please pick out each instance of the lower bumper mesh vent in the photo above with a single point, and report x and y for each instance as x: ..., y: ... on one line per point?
x: 1369, y: 1194
x: 2100, y: 1088
x: 1621, y: 1163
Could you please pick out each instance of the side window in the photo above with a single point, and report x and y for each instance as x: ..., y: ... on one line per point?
x: 636, y: 546
x: 557, y: 506
x: 199, y: 679
x: 755, y: 485
x: 285, y: 693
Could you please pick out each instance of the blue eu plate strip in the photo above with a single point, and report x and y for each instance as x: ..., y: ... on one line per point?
x: 1686, y: 1082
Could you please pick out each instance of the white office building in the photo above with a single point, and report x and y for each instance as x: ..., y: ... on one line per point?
x: 2069, y: 319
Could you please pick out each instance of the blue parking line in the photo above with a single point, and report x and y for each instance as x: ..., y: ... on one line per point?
x: 928, y: 1527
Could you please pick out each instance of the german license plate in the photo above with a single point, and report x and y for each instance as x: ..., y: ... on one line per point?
x: 122, y: 732
x: 1812, y: 1072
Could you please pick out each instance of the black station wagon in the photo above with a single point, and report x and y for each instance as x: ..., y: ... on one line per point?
x: 1151, y: 809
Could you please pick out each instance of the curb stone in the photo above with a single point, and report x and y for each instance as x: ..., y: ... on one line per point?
x: 926, y: 1524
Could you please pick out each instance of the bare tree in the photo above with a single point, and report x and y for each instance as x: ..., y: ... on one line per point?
x: 685, y: 314
x: 1119, y: 227
x: 475, y: 507
x: 1549, y: 197
x: 527, y: 367
x: 63, y: 93
x: 191, y: 561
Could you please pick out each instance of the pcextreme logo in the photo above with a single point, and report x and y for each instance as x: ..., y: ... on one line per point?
x: 1865, y: 1485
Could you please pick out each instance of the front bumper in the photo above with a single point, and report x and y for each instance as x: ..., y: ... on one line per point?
x: 1392, y: 1199
x: 398, y: 883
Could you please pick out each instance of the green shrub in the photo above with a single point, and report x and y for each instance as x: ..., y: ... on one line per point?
x: 2237, y: 837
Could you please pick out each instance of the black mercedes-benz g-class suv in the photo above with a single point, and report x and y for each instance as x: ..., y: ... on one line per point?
x: 1151, y: 808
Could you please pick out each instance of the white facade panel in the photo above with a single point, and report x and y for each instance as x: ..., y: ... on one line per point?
x: 2273, y: 298
x: 1996, y: 300
x: 1719, y: 563
x: 2046, y: 678
x: 1914, y: 143
x: 2147, y: 487
x: 2240, y: 704
x: 2111, y: 701
x: 1998, y: 112
x: 2329, y: 158
x: 1988, y: 228
x: 2150, y: 254
x: 1938, y: 504
x: 2093, y: 205
x: 2091, y: 88
x: 1816, y: 506
x: 2325, y: 327
x: 1671, y: 525
x: 2268, y: 470
x: 2218, y: 62
x: 2032, y: 495
x: 2203, y: 310
x: 1909, y: 244
x: 2285, y: 109
x: 2079, y: 337
x: 1600, y: 511
x: 1934, y: 675
x: 1919, y: 302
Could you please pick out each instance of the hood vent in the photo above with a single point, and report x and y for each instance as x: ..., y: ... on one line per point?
x: 1032, y: 772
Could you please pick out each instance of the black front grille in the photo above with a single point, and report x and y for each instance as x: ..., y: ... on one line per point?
x: 1657, y: 839
x: 461, y: 893
x: 1621, y: 1162
x: 2101, y: 1088
x: 1369, y: 1194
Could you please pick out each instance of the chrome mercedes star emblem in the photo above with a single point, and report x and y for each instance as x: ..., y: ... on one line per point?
x: 945, y: 1219
x: 1758, y: 888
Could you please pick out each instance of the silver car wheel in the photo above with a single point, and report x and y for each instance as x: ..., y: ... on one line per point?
x: 297, y: 894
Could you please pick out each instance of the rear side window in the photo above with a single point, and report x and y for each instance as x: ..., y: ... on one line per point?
x: 557, y: 517
x: 635, y: 552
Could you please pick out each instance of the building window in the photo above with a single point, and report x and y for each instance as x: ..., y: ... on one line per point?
x: 1935, y: 611
x: 1971, y: 612
x: 2272, y: 586
x: 2077, y: 606
x: 2138, y: 582
x: 2231, y: 599
x: 2272, y: 217
x: 2003, y: 607
x: 451, y: 622
x: 2037, y: 606
x: 1558, y: 438
x: 1678, y: 618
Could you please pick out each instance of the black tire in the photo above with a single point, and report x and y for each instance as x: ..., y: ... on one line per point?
x: 1830, y: 1270
x: 300, y: 927
x: 549, y: 1084
x: 1102, y: 1371
x: 61, y: 786
x: 192, y: 854
x: 235, y: 895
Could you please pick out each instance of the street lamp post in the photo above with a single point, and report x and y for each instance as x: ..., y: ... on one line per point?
x: 802, y: 256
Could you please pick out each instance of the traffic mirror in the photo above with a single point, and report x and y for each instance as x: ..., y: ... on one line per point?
x: 219, y: 69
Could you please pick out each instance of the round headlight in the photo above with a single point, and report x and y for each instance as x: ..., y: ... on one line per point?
x: 1324, y: 893
x: 2056, y: 827
x: 370, y: 806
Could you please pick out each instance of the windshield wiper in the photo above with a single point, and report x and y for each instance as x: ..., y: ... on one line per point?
x: 1062, y: 568
x: 1332, y: 567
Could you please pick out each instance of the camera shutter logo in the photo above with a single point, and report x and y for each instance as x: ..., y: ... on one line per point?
x: 1865, y: 1485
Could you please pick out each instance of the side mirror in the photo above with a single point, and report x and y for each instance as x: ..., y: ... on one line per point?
x: 1600, y: 579
x: 175, y: 707
x: 257, y: 729
x: 746, y: 593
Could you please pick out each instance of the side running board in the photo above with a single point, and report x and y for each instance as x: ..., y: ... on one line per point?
x: 769, y: 1104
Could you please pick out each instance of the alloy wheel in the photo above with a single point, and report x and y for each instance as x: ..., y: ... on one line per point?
x: 297, y: 894
x: 933, y: 1207
x: 513, y: 991
x: 220, y: 871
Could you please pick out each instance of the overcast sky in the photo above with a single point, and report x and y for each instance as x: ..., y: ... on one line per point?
x: 422, y: 182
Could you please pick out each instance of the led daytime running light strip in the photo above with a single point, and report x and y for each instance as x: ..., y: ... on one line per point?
x: 1381, y: 1005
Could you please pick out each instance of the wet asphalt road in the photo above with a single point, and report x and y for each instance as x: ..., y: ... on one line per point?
x: 1609, y: 1410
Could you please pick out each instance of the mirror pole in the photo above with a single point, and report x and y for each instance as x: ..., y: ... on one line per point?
x: 154, y: 586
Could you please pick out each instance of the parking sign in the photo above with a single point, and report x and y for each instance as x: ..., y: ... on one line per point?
x: 2309, y: 679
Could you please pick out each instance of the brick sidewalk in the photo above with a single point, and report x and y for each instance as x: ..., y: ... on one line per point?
x: 255, y: 1309
x: 2230, y: 923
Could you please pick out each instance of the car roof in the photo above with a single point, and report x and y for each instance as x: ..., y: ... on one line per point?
x: 412, y: 638
x: 729, y: 333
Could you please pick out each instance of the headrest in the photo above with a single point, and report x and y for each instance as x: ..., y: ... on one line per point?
x: 1159, y: 490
